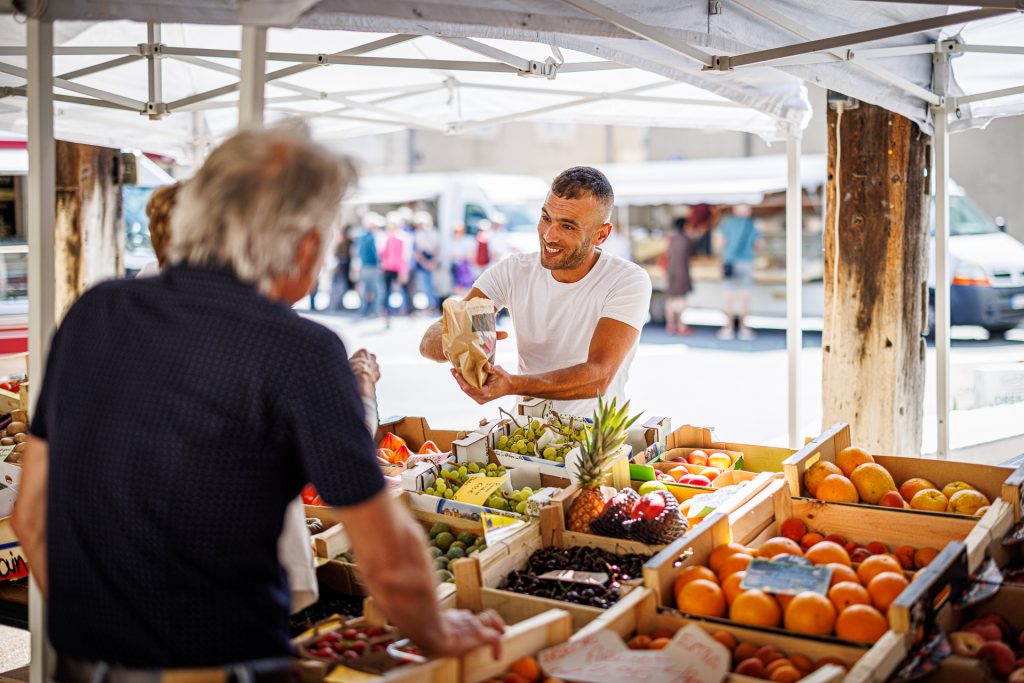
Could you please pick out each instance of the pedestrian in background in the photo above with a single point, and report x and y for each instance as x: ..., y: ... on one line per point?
x: 371, y: 281
x: 681, y: 245
x: 394, y: 262
x: 426, y: 245
x: 738, y: 240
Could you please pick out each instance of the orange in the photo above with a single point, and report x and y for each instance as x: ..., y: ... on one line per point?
x: 952, y: 487
x: 841, y: 572
x: 737, y: 562
x: 846, y: 593
x: 836, y: 488
x: 911, y: 486
x: 755, y: 608
x: 851, y: 458
x: 811, y: 613
x: 526, y: 667
x: 659, y: 643
x: 784, y: 601
x: 929, y: 499
x: 785, y: 674
x: 876, y: 564
x: 725, y: 638
x: 690, y: 573
x: 816, y: 473
x: 703, y: 598
x: 779, y: 545
x: 884, y: 589
x: 861, y: 623
x: 731, y: 586
x: 721, y: 553
x: 827, y: 552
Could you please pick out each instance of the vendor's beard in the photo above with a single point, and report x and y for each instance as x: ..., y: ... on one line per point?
x: 567, y: 260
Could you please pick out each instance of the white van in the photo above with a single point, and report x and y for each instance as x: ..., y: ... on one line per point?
x: 458, y: 198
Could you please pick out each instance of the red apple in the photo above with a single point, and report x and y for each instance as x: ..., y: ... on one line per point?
x: 648, y: 507
x: 986, y: 631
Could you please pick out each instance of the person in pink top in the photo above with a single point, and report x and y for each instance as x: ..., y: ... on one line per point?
x: 394, y: 261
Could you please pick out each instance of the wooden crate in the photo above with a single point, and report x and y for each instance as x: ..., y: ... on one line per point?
x: 755, y: 458
x: 416, y: 431
x: 476, y: 586
x: 760, y: 518
x: 637, y: 613
x: 522, y: 639
x: 995, y: 481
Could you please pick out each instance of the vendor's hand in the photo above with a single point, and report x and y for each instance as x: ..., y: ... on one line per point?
x: 462, y: 631
x: 498, y: 384
x: 364, y: 364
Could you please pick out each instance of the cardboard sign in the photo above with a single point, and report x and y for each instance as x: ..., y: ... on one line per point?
x: 573, y: 576
x: 786, y: 578
x: 499, y: 527
x: 477, y: 490
x: 704, y: 504
x: 691, y: 657
x: 5, y: 451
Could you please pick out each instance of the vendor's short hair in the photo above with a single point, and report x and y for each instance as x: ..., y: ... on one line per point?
x: 254, y: 199
x: 580, y: 181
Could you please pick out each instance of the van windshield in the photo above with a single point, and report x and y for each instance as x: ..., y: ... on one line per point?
x: 520, y: 217
x: 965, y: 218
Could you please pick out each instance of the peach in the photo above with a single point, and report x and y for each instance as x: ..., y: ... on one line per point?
x: 999, y: 657
x: 892, y: 499
x: 697, y: 458
x: 678, y: 472
x: 877, y: 548
x: 859, y: 555
x: 768, y: 654
x: 720, y: 460
x: 987, y: 631
x: 752, y: 667
x: 836, y: 538
x: 810, y: 540
x: 924, y: 557
x: 965, y: 644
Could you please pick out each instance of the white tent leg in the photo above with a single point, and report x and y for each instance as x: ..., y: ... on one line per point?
x: 794, y: 285
x: 42, y: 207
x: 942, y: 279
x: 253, y: 77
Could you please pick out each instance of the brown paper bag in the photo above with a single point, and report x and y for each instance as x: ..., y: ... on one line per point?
x: 469, y: 337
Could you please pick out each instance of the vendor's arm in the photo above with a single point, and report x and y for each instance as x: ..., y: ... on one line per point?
x: 609, y: 346
x: 430, y: 346
x: 29, y: 518
x: 395, y: 566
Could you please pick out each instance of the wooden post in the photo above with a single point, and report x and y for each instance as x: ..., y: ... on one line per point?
x: 873, y: 352
x: 88, y: 229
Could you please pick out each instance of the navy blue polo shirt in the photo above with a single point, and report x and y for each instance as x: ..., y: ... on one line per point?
x: 183, y: 413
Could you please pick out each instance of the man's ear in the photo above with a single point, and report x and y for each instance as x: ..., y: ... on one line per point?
x: 307, y: 254
x: 603, y: 233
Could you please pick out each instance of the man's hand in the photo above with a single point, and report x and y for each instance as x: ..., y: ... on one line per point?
x: 462, y: 631
x: 364, y: 363
x: 499, y: 383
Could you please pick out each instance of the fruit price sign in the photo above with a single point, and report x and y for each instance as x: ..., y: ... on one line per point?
x: 786, y: 578
x: 477, y: 490
x: 691, y: 657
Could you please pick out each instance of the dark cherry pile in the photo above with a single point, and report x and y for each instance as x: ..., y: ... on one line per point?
x: 619, y: 568
x: 331, y: 602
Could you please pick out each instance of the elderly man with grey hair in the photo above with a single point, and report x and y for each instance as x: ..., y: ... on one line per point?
x: 178, y: 417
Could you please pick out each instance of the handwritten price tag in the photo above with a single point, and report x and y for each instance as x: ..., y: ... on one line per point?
x: 477, y: 490
x: 692, y: 657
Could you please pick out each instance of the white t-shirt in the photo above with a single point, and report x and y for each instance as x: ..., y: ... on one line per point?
x: 555, y: 321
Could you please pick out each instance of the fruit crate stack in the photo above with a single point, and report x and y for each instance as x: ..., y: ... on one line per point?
x: 799, y: 557
x: 948, y: 493
x: 756, y: 458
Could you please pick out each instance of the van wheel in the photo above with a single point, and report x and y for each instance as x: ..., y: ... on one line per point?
x: 997, y: 331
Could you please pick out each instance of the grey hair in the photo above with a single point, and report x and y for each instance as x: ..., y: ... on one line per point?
x: 254, y: 199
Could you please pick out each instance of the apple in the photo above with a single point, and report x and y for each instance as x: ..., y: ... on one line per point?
x: 695, y: 480
x: 998, y: 656
x: 720, y: 460
x: 649, y: 486
x: 710, y: 472
x: 793, y: 529
x: 697, y: 458
x: 986, y: 631
x: 648, y: 507
x: 892, y: 499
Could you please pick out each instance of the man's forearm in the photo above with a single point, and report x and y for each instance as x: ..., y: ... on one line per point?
x: 583, y: 381
x: 431, y: 347
x: 402, y: 584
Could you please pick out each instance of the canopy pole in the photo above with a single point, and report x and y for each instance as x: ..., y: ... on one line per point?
x: 794, y: 284
x: 41, y: 214
x: 154, y: 71
x: 253, y: 76
x: 940, y: 116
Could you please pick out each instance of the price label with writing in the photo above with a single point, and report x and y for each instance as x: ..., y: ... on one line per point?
x: 786, y: 578
x: 499, y: 527
x: 573, y: 576
x: 477, y: 490
x: 5, y: 451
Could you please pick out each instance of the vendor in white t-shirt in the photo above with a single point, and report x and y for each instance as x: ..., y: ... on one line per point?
x: 577, y: 311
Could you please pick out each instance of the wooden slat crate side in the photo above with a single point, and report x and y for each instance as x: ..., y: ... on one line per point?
x: 516, y: 607
x: 632, y: 614
x: 694, y: 548
x: 756, y: 458
x: 520, y: 640
x: 931, y: 586
x: 879, y: 663
x: 436, y: 671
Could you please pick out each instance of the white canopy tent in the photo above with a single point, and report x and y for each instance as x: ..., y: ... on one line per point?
x: 908, y: 57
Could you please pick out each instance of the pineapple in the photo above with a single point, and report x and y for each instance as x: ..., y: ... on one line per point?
x: 600, y: 444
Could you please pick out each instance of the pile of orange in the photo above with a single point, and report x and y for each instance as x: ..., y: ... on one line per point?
x: 855, y: 477
x: 854, y: 609
x: 525, y: 670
